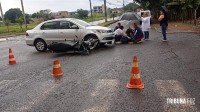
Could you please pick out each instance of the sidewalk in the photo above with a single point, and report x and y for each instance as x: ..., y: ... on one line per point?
x: 178, y: 27
x: 103, y: 20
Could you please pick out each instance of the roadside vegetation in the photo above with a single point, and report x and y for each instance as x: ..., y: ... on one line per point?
x: 107, y: 23
x: 14, y: 21
x: 179, y: 10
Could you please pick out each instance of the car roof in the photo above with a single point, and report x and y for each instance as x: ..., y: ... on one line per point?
x: 60, y: 19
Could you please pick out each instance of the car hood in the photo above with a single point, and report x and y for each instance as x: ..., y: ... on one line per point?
x: 97, y: 28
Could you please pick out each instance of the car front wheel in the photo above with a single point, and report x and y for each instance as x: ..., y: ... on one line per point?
x: 92, y: 38
x: 40, y: 45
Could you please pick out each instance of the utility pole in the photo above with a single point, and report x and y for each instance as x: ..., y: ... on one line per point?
x: 1, y: 12
x: 23, y: 13
x: 91, y: 9
x: 105, y: 8
x: 133, y: 5
x: 123, y: 5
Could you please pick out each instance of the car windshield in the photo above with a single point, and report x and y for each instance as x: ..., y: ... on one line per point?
x: 81, y: 22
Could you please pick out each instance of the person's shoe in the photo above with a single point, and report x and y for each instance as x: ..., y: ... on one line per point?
x: 118, y: 42
x: 164, y: 40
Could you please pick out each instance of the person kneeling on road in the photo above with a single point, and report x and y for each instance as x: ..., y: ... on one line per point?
x: 120, y: 36
x: 138, y: 34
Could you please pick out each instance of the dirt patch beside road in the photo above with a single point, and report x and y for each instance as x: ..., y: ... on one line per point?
x: 180, y: 27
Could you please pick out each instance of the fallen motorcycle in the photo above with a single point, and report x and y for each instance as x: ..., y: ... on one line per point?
x: 79, y: 46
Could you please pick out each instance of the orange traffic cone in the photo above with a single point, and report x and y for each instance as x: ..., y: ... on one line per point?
x: 135, y: 81
x: 57, y: 70
x: 12, y: 60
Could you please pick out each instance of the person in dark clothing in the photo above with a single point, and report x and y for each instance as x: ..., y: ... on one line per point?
x: 118, y: 26
x: 138, y: 34
x: 163, y: 23
x: 129, y: 33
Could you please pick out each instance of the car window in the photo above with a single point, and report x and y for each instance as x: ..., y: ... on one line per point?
x: 50, y: 25
x: 68, y: 25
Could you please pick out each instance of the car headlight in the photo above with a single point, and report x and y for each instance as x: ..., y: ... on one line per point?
x: 100, y: 31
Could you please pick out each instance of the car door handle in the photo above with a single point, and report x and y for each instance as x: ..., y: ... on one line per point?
x: 61, y: 32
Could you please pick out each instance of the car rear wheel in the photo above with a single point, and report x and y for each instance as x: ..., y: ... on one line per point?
x: 40, y: 45
x: 92, y: 38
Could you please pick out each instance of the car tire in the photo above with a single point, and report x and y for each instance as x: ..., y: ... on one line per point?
x: 90, y: 38
x: 40, y: 45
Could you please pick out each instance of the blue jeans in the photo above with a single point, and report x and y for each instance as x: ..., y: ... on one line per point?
x: 163, y: 29
x: 146, y: 34
x: 118, y: 38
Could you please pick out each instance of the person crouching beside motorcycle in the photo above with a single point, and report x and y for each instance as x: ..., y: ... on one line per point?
x: 120, y: 36
x: 137, y: 33
x: 119, y: 33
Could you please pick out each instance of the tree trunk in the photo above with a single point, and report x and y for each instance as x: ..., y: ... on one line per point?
x: 195, y: 15
x: 8, y: 29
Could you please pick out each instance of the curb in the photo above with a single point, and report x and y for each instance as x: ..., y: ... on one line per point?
x: 176, y: 31
x: 108, y: 23
x: 112, y: 23
x: 12, y: 35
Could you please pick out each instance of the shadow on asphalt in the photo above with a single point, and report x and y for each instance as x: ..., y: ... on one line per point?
x: 101, y: 49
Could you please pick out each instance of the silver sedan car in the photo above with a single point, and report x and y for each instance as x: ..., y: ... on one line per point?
x: 67, y: 29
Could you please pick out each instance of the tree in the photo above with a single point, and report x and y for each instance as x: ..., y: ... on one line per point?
x: 45, y: 14
x: 28, y: 18
x: 186, y: 9
x: 130, y: 7
x: 20, y: 21
x: 82, y: 13
x: 113, y: 15
x: 7, y: 23
x: 12, y: 14
x: 34, y: 15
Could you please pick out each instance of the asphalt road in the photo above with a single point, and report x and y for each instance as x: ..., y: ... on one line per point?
x: 97, y: 83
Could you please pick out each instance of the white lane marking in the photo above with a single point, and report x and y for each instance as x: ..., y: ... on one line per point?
x: 44, y: 90
x: 103, y: 91
x: 3, y: 39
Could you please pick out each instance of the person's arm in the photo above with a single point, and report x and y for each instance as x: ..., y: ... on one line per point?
x: 135, y: 32
x: 161, y: 17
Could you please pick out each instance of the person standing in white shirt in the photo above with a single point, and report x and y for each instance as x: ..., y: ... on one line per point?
x: 146, y: 25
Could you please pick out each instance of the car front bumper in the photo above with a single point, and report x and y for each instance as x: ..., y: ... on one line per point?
x: 107, y: 38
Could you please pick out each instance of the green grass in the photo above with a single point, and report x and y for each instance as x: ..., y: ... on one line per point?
x: 15, y: 29
x: 108, y: 23
x: 93, y: 19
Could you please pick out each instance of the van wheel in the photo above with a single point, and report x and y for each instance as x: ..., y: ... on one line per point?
x: 40, y: 45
